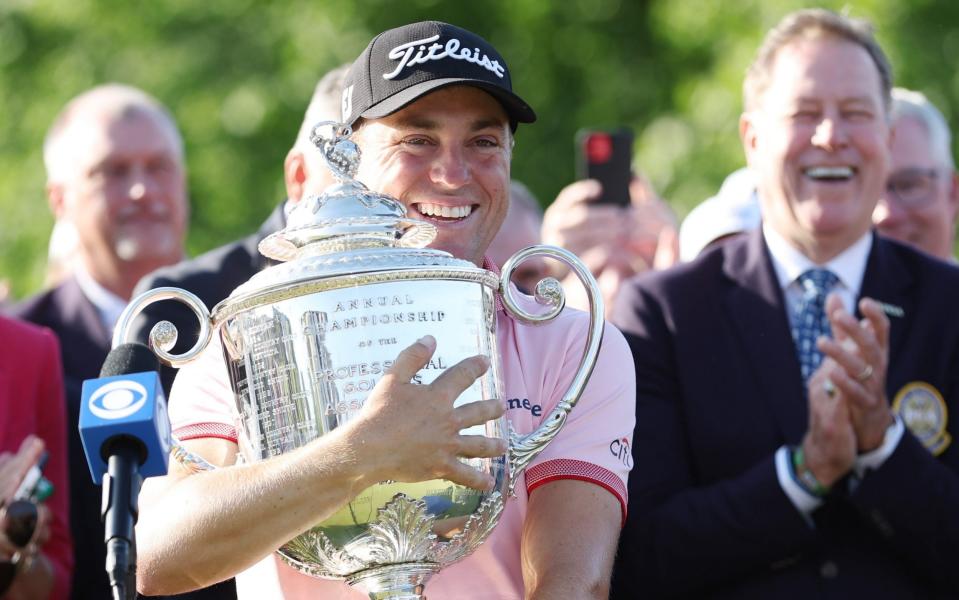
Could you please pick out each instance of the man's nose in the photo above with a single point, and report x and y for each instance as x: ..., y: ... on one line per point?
x: 830, y: 134
x: 140, y: 183
x: 450, y: 168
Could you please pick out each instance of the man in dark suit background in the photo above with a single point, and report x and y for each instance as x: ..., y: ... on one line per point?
x: 763, y: 469
x: 213, y: 275
x: 114, y: 161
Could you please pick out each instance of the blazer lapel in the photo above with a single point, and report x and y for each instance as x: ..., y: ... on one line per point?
x: 83, y: 316
x: 888, y: 280
x: 754, y: 302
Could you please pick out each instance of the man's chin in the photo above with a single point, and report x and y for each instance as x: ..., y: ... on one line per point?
x: 457, y: 251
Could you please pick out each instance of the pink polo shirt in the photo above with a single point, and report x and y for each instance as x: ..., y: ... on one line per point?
x: 538, y: 365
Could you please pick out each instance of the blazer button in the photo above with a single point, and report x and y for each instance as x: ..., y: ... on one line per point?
x: 829, y: 570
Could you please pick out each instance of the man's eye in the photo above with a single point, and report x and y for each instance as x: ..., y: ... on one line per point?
x: 160, y: 166
x: 114, y: 170
x: 857, y: 115
x: 487, y: 143
x: 906, y: 185
x: 416, y: 141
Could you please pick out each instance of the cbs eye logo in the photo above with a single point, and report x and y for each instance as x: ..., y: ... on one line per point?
x: 118, y: 399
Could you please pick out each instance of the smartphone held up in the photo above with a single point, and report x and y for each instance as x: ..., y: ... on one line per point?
x: 607, y: 157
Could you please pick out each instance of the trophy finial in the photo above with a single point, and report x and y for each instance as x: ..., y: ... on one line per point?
x: 347, y: 215
x: 341, y: 153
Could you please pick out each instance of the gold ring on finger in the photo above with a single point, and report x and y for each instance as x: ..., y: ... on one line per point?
x: 865, y: 374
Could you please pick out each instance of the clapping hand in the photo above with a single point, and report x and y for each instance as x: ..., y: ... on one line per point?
x: 861, y: 349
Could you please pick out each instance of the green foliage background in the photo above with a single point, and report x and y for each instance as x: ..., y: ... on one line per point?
x: 237, y: 74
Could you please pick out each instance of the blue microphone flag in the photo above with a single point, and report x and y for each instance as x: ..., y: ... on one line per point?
x: 129, y: 407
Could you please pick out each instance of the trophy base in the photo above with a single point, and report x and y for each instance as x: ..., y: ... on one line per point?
x: 395, y: 582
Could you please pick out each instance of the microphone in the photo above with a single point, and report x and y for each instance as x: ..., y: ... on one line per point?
x: 125, y: 432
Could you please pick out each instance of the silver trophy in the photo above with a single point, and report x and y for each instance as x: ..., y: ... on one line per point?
x: 305, y: 342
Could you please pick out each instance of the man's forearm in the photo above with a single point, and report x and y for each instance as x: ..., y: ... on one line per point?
x: 263, y: 504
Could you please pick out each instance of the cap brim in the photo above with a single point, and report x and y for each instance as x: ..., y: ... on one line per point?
x: 516, y: 108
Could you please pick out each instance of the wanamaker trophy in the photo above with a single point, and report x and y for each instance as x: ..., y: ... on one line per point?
x: 306, y: 340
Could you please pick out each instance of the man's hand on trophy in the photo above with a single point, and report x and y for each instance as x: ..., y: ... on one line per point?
x: 411, y: 432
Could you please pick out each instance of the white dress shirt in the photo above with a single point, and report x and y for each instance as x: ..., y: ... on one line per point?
x: 109, y: 306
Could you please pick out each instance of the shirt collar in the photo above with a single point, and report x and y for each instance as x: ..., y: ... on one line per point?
x: 109, y: 306
x: 789, y: 263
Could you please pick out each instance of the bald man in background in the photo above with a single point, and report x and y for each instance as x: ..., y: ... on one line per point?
x: 115, y: 171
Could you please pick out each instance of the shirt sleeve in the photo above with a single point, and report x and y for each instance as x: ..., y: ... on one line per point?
x: 872, y: 460
x: 595, y: 444
x: 804, y: 502
x: 201, y: 401
x: 52, y: 429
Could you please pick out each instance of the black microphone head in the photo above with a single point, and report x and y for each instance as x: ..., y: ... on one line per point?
x: 129, y: 358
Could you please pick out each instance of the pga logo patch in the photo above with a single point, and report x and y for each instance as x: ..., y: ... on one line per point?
x: 118, y: 399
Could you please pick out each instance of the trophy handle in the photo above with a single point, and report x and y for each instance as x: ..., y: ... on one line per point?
x: 164, y: 334
x: 524, y: 448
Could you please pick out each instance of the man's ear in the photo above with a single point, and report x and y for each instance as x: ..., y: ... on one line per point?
x: 55, y: 199
x: 294, y: 174
x: 747, y: 134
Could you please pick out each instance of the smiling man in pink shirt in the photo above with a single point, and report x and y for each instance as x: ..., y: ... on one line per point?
x: 435, y: 126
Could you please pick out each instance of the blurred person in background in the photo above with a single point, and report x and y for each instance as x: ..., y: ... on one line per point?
x: 614, y: 242
x: 733, y: 210
x: 921, y: 202
x: 520, y: 229
x: 115, y: 171
x: 33, y: 421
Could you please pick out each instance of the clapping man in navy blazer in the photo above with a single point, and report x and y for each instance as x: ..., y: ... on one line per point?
x: 796, y: 387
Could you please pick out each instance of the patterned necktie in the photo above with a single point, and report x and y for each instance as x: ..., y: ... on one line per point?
x: 810, y: 320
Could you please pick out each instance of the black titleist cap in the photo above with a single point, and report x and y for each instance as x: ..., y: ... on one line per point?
x: 403, y: 64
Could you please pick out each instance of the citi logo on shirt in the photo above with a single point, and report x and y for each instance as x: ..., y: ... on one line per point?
x: 535, y: 409
x: 620, y: 449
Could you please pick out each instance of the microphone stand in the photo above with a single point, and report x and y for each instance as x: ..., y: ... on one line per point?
x: 121, y: 486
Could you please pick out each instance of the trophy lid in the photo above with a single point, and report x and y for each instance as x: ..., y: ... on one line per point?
x: 347, y: 229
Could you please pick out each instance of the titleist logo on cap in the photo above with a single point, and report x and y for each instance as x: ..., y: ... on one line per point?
x: 404, y: 54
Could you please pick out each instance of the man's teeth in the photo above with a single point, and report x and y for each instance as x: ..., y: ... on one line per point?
x: 450, y: 212
x: 831, y: 173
